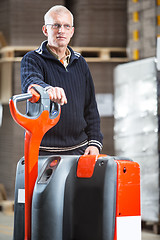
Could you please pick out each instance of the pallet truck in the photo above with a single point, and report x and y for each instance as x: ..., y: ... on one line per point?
x: 74, y: 197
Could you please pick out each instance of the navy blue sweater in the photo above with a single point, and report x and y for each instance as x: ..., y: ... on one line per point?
x: 79, y: 121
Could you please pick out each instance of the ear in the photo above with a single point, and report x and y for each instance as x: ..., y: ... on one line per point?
x: 44, y: 30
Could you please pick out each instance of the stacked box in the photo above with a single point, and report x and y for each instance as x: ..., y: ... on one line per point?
x: 142, y: 28
x: 136, y: 127
x: 102, y: 74
x: 22, y: 21
x: 4, y: 19
x: 101, y: 23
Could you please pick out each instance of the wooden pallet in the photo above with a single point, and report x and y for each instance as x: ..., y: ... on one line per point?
x: 91, y: 54
x: 14, y: 53
x: 98, y: 54
x: 7, y: 206
x: 153, y: 227
x: 3, y: 42
x: 3, y: 195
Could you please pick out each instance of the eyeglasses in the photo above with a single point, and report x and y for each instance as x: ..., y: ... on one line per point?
x: 58, y: 26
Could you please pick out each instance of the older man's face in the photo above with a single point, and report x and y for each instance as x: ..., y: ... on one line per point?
x: 59, y: 29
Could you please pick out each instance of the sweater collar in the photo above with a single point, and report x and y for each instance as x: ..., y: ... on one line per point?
x: 43, y: 51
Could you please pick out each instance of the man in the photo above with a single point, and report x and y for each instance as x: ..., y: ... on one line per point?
x: 66, y: 77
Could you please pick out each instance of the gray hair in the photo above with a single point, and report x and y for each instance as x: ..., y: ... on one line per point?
x: 57, y: 9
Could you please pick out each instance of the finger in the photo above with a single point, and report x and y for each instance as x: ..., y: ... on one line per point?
x: 86, y: 151
x: 61, y: 97
x: 52, y: 94
x: 91, y: 150
x: 58, y: 93
x: 64, y: 97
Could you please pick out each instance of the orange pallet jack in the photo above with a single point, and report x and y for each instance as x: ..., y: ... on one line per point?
x: 71, y: 197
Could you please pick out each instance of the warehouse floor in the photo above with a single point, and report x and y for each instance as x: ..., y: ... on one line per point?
x: 6, y: 229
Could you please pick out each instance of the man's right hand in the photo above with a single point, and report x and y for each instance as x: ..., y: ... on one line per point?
x: 57, y: 95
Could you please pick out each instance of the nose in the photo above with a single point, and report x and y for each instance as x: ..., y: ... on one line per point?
x: 61, y: 28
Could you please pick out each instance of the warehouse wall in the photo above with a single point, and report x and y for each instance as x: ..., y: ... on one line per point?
x: 21, y: 21
x: 100, y: 23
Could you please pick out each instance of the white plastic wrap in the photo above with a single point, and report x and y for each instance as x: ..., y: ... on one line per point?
x: 136, y: 127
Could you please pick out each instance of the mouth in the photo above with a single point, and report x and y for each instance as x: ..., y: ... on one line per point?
x: 61, y: 38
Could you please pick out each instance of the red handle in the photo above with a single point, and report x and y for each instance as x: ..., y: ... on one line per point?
x: 35, y: 95
x: 35, y: 127
x: 38, y: 127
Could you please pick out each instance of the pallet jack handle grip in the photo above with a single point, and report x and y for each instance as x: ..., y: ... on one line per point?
x: 38, y: 96
x: 13, y: 105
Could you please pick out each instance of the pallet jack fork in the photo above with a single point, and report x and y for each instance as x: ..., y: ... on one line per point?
x: 84, y: 197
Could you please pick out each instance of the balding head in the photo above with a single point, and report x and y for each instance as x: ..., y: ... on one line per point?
x: 58, y: 9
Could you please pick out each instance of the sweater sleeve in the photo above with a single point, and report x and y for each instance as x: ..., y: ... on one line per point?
x: 91, y: 115
x: 31, y: 72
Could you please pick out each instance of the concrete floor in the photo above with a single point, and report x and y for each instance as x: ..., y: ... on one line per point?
x: 6, y: 229
x: 6, y: 226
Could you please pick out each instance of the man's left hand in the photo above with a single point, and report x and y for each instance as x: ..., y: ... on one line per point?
x: 91, y: 150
